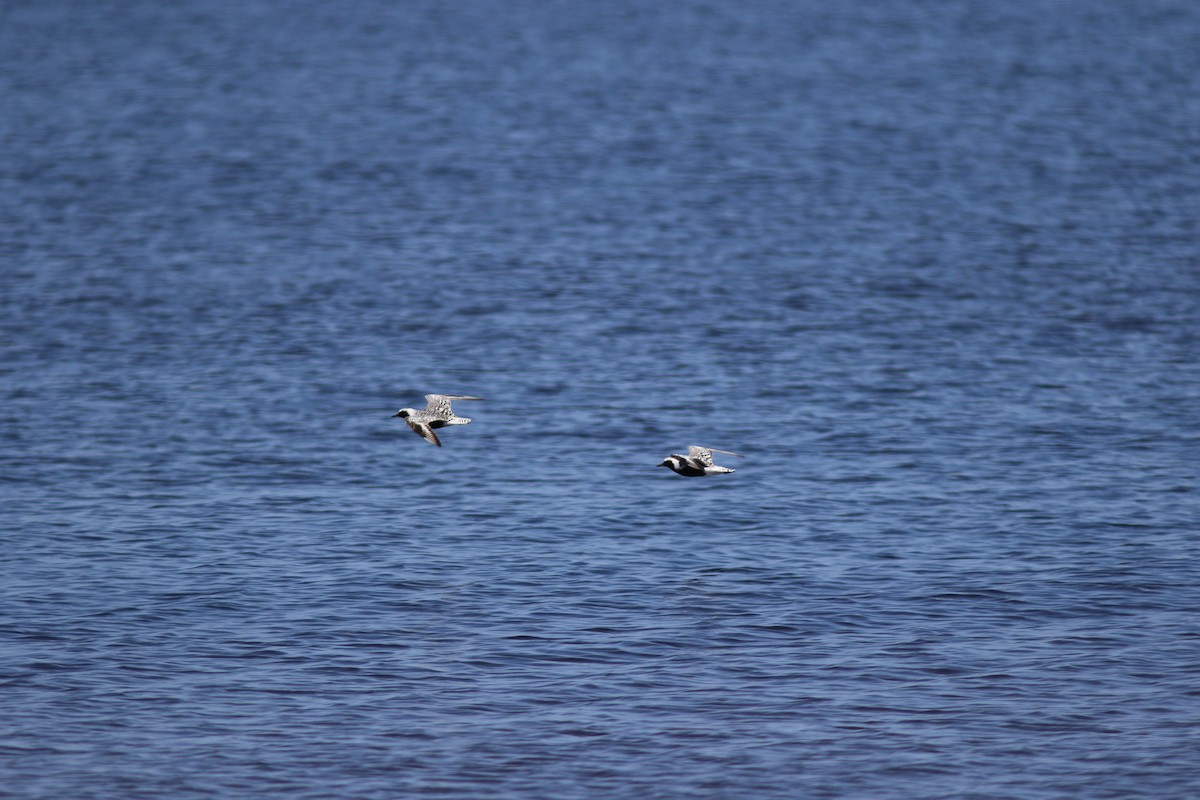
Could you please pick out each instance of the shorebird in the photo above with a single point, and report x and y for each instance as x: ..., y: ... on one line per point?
x: 436, y: 414
x: 697, y: 462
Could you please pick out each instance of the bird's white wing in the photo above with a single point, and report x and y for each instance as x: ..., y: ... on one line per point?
x: 704, y: 454
x: 439, y: 404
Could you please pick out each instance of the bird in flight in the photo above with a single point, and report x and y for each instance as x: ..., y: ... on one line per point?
x: 436, y: 414
x: 697, y: 462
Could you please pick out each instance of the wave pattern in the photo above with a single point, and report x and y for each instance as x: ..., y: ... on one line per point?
x: 931, y: 268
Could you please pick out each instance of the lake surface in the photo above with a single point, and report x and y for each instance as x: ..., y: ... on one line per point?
x: 931, y: 267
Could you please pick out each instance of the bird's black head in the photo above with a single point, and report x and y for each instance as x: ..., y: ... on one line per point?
x: 404, y: 412
x: 665, y: 463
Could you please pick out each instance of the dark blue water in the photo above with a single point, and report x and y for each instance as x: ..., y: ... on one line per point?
x: 932, y: 267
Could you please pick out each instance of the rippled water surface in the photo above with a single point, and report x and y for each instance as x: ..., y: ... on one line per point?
x: 930, y: 266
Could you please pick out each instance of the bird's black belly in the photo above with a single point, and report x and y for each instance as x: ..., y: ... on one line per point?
x: 437, y: 423
x: 689, y: 471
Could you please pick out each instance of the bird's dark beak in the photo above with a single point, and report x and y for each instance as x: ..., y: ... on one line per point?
x: 396, y: 415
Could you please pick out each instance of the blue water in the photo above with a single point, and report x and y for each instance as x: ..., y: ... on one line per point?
x: 932, y: 267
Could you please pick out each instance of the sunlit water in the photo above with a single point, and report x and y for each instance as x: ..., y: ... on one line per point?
x: 931, y: 267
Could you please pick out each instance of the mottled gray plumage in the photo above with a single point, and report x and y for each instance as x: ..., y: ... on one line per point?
x: 697, y: 462
x: 436, y: 414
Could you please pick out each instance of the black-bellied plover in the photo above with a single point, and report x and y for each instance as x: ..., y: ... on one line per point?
x: 697, y: 462
x: 436, y: 414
